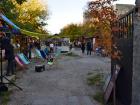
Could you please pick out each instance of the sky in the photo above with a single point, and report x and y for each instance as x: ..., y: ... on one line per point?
x: 63, y: 12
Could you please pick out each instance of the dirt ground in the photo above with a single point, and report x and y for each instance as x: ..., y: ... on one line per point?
x: 65, y: 83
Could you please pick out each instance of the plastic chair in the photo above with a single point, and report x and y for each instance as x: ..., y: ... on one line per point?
x: 43, y: 54
x: 46, y: 51
x: 19, y: 62
x: 58, y: 52
x: 23, y: 58
x: 38, y: 53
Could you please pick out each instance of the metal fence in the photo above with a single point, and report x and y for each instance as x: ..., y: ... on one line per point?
x: 122, y: 55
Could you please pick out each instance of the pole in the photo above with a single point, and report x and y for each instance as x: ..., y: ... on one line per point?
x: 1, y: 60
x: 114, y: 94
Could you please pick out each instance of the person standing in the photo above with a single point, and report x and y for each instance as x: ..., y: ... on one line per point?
x: 30, y: 46
x: 89, y: 47
x: 37, y: 44
x: 51, y: 47
x: 83, y: 47
x: 79, y: 44
x: 70, y: 46
x: 9, y: 56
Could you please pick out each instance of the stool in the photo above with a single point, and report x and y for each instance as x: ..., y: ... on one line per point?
x: 39, y: 68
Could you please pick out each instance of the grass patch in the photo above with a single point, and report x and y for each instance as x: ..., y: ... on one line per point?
x: 99, y: 97
x: 5, y: 97
x: 95, y: 79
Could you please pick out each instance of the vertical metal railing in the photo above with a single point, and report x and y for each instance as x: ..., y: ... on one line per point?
x: 124, y: 25
x: 122, y: 39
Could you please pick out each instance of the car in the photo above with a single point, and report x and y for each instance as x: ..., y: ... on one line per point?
x: 64, y: 47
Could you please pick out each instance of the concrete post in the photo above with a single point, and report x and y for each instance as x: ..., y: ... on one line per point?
x: 136, y: 59
x: 137, y: 2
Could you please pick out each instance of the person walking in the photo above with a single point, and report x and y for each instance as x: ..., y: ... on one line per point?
x: 89, y: 47
x: 83, y: 47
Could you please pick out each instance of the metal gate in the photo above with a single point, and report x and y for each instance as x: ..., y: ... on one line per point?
x: 122, y: 56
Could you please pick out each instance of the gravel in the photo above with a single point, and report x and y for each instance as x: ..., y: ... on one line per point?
x: 64, y: 83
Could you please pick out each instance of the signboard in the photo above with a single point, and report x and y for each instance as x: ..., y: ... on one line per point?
x: 111, y: 84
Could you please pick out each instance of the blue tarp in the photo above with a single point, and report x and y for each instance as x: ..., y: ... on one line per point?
x: 15, y: 29
x: 38, y: 53
x: 23, y: 58
x: 8, y: 21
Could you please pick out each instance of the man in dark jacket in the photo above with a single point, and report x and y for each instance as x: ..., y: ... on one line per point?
x: 9, y: 56
x: 89, y: 47
x: 83, y: 47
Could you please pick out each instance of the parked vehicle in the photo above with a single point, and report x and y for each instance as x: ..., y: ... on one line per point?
x: 64, y: 46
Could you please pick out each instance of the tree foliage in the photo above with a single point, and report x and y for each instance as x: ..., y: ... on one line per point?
x: 101, y: 14
x: 88, y: 29
x: 31, y: 15
x: 20, y: 1
x: 100, y: 11
x: 72, y: 31
x: 27, y: 14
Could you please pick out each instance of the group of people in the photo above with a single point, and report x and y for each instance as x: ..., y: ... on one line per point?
x: 27, y: 49
x: 8, y: 47
x: 48, y: 48
x: 87, y: 46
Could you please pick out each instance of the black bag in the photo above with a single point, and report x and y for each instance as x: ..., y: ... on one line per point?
x: 39, y: 68
x: 3, y: 87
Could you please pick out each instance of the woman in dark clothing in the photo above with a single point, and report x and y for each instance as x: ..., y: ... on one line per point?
x: 83, y: 47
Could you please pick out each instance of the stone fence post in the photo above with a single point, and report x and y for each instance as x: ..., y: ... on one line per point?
x: 136, y: 58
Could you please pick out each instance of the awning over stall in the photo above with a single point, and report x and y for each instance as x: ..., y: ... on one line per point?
x: 9, y: 22
x: 32, y: 34
x: 15, y: 29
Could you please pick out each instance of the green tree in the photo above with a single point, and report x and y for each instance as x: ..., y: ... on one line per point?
x: 88, y: 29
x: 30, y: 15
x: 71, y: 31
x: 7, y: 6
x: 101, y: 14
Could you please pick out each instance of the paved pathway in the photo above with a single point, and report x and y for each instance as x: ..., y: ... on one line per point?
x: 64, y: 84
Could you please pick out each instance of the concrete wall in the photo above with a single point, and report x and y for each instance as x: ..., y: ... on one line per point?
x: 136, y: 62
x: 123, y: 8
